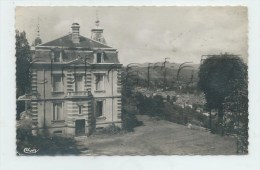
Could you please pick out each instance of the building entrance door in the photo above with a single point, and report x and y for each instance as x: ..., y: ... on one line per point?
x: 80, y: 127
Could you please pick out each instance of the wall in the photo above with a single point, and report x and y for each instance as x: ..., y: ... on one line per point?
x: 42, y: 85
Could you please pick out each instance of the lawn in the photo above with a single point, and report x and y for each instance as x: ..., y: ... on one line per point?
x: 158, y: 137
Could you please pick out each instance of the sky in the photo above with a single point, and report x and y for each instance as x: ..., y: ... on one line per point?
x: 147, y: 34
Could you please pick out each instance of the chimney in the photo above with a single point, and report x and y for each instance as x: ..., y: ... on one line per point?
x: 75, y: 32
x: 97, y: 33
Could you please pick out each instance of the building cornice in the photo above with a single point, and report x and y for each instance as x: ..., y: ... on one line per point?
x: 46, y: 65
x: 73, y: 48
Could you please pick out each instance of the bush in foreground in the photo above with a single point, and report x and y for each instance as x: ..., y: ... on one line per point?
x: 129, y: 119
x: 55, y: 145
x: 48, y: 145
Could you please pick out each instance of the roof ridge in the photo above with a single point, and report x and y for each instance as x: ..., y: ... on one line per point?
x: 55, y: 39
x: 96, y: 41
x: 63, y: 40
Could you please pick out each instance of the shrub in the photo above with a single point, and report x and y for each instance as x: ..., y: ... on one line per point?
x: 129, y: 119
x: 152, y: 106
x: 110, y: 130
x: 46, y: 145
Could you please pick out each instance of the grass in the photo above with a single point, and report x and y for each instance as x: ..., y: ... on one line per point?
x: 158, y: 137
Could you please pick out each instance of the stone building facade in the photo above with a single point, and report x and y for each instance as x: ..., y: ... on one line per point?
x: 76, y: 85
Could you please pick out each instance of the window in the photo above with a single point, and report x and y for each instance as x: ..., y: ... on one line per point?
x: 99, y: 82
x: 57, y: 56
x: 99, y: 57
x: 78, y: 83
x: 57, y: 132
x: 57, y: 111
x: 57, y: 83
x: 80, y: 109
x: 99, y: 108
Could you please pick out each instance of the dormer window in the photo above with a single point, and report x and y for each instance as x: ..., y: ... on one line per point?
x: 57, y: 56
x: 99, y: 58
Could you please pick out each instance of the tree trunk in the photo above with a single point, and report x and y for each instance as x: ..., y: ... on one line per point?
x: 210, y: 121
x: 220, y: 120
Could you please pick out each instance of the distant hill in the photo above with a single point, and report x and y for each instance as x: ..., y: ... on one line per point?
x: 156, y: 73
x: 170, y: 65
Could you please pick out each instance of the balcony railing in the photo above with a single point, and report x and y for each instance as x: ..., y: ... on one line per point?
x: 77, y: 93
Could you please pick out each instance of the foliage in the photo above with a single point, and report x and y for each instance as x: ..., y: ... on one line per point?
x: 236, y: 121
x: 177, y: 114
x: 127, y: 86
x: 129, y: 119
x: 219, y: 76
x: 110, y: 130
x: 23, y: 59
x: 155, y: 106
x: 149, y: 105
x: 129, y: 109
x: 24, y: 126
x: 184, y: 88
x: 47, y: 145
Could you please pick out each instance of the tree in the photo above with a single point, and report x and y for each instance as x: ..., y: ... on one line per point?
x: 236, y: 105
x: 219, y: 77
x: 23, y: 59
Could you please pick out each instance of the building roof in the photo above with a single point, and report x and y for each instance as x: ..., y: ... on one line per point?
x: 66, y: 41
x: 45, y: 56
